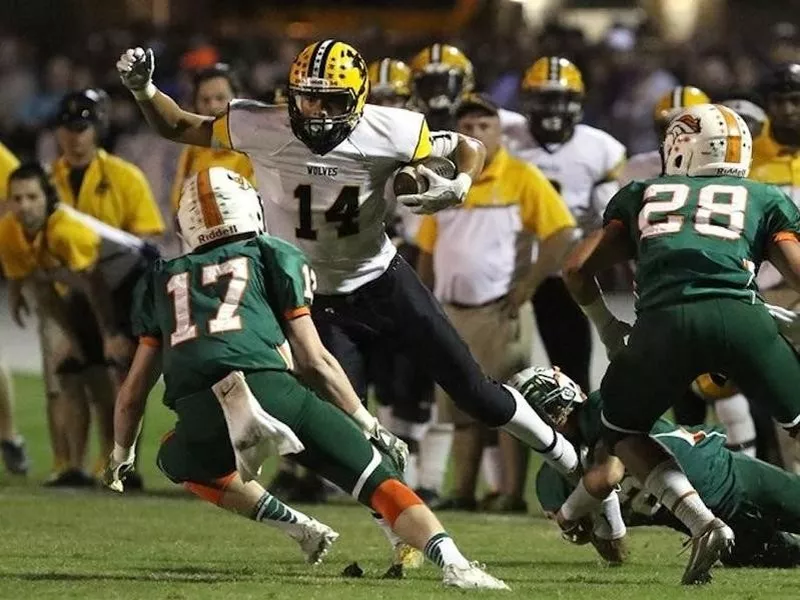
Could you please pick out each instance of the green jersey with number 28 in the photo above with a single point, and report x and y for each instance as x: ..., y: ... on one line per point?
x: 700, y: 237
x: 221, y: 310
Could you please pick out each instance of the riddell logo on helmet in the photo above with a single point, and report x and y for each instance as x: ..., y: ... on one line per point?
x: 218, y: 233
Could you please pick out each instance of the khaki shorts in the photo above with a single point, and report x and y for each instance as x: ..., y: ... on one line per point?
x: 499, y: 344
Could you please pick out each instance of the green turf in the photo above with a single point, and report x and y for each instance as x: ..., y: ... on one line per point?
x: 60, y: 544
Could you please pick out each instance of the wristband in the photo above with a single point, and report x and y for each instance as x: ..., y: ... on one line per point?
x: 146, y: 93
x: 598, y: 313
x: 364, y: 419
x: 462, y: 184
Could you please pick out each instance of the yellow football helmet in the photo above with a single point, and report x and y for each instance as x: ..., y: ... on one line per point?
x: 389, y: 82
x: 712, y: 386
x: 552, y: 94
x: 328, y: 88
x: 670, y: 104
x: 440, y: 76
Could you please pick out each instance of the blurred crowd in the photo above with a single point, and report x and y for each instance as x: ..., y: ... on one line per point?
x: 626, y: 71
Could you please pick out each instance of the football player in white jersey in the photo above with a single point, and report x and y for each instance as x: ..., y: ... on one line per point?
x: 648, y: 164
x: 582, y: 163
x: 334, y: 154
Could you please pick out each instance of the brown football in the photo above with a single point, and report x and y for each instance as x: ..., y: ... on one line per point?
x: 407, y: 181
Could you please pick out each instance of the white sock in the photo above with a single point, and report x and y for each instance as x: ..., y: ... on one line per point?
x: 384, y: 414
x: 610, y: 525
x: 393, y: 538
x: 441, y: 550
x: 529, y: 428
x: 434, y: 455
x: 271, y: 511
x: 492, y: 467
x: 734, y: 414
x: 671, y: 487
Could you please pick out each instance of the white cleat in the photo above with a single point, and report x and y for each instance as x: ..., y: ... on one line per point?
x: 472, y: 577
x: 315, y: 540
x: 706, y: 549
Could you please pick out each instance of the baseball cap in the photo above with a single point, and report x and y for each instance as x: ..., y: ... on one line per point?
x: 476, y: 102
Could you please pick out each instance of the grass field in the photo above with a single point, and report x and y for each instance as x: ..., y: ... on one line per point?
x: 164, y: 544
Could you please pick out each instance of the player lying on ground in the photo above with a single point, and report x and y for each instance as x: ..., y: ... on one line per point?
x: 229, y: 326
x: 698, y: 235
x: 330, y: 144
x: 757, y: 500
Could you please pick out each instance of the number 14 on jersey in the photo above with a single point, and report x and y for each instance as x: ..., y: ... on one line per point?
x: 344, y: 212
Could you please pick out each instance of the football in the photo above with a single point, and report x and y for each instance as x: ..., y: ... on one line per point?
x: 408, y: 181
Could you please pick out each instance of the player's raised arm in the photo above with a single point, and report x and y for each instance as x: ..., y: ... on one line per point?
x: 135, y: 68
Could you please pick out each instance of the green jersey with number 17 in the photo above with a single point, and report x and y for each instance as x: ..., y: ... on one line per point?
x: 700, y: 237
x: 221, y: 310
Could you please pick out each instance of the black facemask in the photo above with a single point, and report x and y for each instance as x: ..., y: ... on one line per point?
x: 552, y: 114
x: 337, y: 118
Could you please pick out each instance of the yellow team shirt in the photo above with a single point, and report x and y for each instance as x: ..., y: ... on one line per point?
x: 194, y: 159
x: 781, y: 169
x: 8, y: 163
x: 764, y: 147
x: 113, y: 191
x: 476, y: 247
x: 64, y: 242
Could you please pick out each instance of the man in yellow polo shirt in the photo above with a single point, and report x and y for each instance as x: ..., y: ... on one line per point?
x: 213, y: 89
x: 477, y: 259
x: 83, y: 273
x: 12, y: 446
x: 95, y: 182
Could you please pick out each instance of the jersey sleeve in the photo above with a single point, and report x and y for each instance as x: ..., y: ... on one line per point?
x: 544, y: 212
x: 782, y: 217
x: 142, y: 216
x: 8, y: 162
x: 16, y: 260
x: 249, y: 125
x: 623, y: 206
x: 613, y: 163
x: 289, y: 280
x: 443, y: 143
x: 552, y: 490
x: 75, y: 245
x: 143, y: 312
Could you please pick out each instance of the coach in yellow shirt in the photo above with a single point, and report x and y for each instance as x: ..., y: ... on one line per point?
x: 214, y: 88
x: 8, y: 162
x: 95, y: 182
x: 477, y: 259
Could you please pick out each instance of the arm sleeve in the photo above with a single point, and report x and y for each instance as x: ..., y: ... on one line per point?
x: 552, y: 490
x: 288, y: 277
x: 249, y: 125
x: 544, y: 212
x: 143, y: 218
x: 783, y: 217
x: 443, y: 143
x: 426, y: 234
x: 143, y: 311
x: 75, y: 245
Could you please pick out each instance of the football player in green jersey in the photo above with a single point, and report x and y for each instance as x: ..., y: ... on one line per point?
x: 698, y: 235
x: 229, y: 326
x: 758, y: 500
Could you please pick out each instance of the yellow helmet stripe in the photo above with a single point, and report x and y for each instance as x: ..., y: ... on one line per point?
x: 319, y: 58
x: 436, y: 53
x: 383, y: 76
x: 208, y: 203
x: 733, y: 149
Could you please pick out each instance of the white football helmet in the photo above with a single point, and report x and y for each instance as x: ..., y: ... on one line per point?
x: 707, y: 139
x: 217, y: 203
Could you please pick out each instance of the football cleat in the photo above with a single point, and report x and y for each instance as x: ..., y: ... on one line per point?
x: 706, y: 549
x: 472, y: 577
x: 315, y: 540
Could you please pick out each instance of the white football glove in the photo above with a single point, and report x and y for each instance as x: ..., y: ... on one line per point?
x: 442, y: 192
x: 120, y: 465
x: 391, y: 445
x: 135, y: 68
x: 787, y: 321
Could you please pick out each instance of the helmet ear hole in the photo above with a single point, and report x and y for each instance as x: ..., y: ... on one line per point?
x: 678, y: 161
